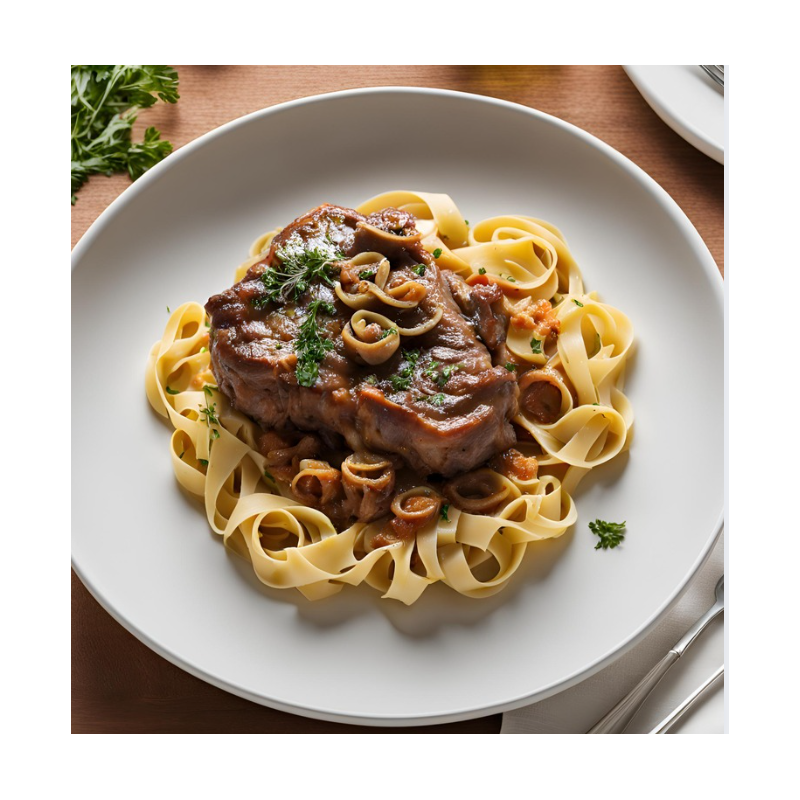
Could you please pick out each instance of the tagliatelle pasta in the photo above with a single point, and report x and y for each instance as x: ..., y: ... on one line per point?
x: 569, y: 351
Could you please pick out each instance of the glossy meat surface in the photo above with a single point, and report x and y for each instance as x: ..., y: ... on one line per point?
x: 438, y: 403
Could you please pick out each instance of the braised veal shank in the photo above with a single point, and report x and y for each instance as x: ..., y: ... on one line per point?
x: 438, y: 402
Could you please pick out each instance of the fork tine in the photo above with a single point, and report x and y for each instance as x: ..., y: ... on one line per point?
x: 714, y: 72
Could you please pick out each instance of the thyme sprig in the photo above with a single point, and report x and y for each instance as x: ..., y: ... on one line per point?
x: 295, y: 268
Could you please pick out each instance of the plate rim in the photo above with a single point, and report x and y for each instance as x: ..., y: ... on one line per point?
x: 667, y: 204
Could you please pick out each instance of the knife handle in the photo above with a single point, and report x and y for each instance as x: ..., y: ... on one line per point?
x: 623, y: 712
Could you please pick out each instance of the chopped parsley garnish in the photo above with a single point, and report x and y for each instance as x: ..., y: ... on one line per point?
x: 168, y: 311
x: 172, y: 391
x: 209, y: 390
x: 437, y: 252
x: 279, y: 346
x: 443, y: 513
x: 434, y: 399
x: 598, y: 345
x: 577, y: 302
x: 203, y: 349
x: 510, y: 278
x: 536, y: 346
x: 182, y: 455
x: 366, y: 274
x: 203, y: 461
x: 481, y: 271
x: 371, y: 379
x: 466, y: 222
x: 402, y: 380
x: 214, y: 433
x: 269, y: 476
x: 295, y: 269
x: 310, y: 346
x: 440, y: 376
x: 390, y: 332
x: 210, y: 414
x: 511, y: 367
x: 430, y: 370
x: 419, y: 269
x: 611, y: 533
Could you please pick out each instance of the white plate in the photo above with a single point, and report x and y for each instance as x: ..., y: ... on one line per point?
x: 144, y: 549
x: 689, y: 102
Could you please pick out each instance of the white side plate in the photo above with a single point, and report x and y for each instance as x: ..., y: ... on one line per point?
x: 689, y: 102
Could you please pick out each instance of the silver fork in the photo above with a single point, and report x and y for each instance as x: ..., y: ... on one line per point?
x: 616, y: 720
x: 715, y: 71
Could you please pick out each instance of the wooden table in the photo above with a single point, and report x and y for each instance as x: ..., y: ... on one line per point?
x: 118, y: 684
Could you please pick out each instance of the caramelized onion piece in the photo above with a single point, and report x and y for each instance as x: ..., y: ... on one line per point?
x: 368, y: 481
x: 419, y: 505
x: 357, y: 293
x: 317, y: 484
x: 284, y: 452
x: 543, y: 396
x: 479, y: 492
x: 423, y: 327
x: 370, y: 338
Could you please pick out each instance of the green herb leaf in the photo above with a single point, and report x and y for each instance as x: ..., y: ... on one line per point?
x: 536, y: 346
x: 419, y: 269
x: 371, y: 379
x: 203, y: 461
x: 481, y: 271
x: 269, y: 476
x: 611, y: 533
x: 443, y: 512
x: 311, y: 347
x: 210, y: 413
x: 402, y: 380
x: 437, y: 252
x: 577, y: 302
x: 366, y: 274
x: 295, y: 268
x: 511, y: 367
x: 172, y: 391
x: 105, y: 102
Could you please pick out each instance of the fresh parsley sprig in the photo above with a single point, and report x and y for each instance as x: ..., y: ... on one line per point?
x: 106, y: 100
x: 611, y: 533
x: 310, y: 346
